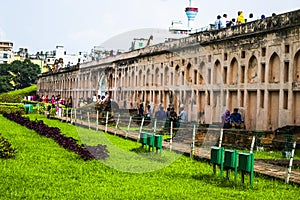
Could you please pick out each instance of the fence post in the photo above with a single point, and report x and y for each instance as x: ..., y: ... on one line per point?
x: 193, y: 142
x: 171, y: 135
x: 66, y: 114
x: 106, y: 122
x: 71, y: 115
x: 117, y: 124
x: 141, y: 128
x: 128, y: 127
x: 88, y: 115
x: 154, y: 128
x: 287, y: 179
x: 62, y: 115
x: 75, y: 115
x: 81, y: 117
x: 221, y: 137
x: 252, y: 144
x: 97, y: 120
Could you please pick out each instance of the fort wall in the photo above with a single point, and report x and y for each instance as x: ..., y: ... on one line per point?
x: 254, y: 67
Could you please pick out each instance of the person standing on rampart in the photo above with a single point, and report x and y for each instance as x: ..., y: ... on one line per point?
x: 240, y: 18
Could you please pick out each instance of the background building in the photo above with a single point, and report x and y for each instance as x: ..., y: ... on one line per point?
x: 6, y: 52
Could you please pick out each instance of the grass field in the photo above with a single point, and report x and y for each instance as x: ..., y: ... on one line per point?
x: 44, y: 170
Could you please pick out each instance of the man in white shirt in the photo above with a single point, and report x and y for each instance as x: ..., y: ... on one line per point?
x: 224, y: 21
x: 182, y: 115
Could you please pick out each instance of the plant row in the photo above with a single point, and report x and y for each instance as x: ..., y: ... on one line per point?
x: 6, y: 149
x: 12, y: 108
x: 69, y: 143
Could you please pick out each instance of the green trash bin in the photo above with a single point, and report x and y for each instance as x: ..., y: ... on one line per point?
x: 28, y: 108
x: 217, y: 158
x: 150, y: 141
x: 143, y: 138
x: 231, y: 162
x: 246, y: 164
x: 158, y: 142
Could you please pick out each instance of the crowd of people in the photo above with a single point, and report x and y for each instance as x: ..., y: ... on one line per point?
x: 164, y: 117
x: 229, y: 120
x: 225, y: 22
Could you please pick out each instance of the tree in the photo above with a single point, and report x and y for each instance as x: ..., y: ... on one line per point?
x: 18, y: 75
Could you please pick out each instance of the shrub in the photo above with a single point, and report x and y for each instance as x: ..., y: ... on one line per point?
x: 18, y: 95
x: 12, y: 108
x: 6, y: 149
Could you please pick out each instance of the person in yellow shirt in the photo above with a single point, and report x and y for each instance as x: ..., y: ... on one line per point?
x: 240, y: 18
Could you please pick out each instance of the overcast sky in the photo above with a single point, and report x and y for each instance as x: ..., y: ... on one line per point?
x: 79, y: 25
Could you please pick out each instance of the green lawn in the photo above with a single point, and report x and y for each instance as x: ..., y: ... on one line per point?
x: 43, y: 170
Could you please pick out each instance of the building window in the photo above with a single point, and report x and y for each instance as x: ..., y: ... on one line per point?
x: 209, y: 76
x: 225, y: 75
x: 225, y: 56
x: 224, y: 97
x: 209, y: 58
x: 287, y: 48
x: 286, y: 72
x: 262, y: 99
x: 242, y: 99
x: 243, y: 55
x: 195, y: 76
x: 263, y: 72
x: 243, y: 74
x: 208, y: 98
x: 285, y: 99
x: 263, y: 52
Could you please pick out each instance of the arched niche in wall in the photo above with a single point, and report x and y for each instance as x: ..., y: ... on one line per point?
x: 217, y: 73
x: 188, y: 74
x: 234, y: 66
x: 148, y: 78
x: 156, y: 77
x: 102, y: 86
x: 201, y: 79
x: 253, y: 70
x: 166, y: 76
x: 140, y: 76
x: 177, y: 71
x: 274, y: 69
x: 297, y: 67
x: 131, y: 78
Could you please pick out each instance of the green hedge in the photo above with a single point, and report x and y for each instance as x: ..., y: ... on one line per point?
x: 6, y: 149
x: 18, y: 95
x: 12, y: 108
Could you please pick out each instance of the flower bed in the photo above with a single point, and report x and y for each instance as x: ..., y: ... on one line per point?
x: 6, y: 149
x: 89, y: 153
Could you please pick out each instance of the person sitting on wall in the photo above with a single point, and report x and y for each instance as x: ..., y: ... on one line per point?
x: 226, y: 119
x: 236, y: 118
